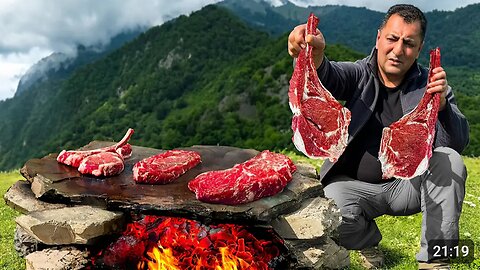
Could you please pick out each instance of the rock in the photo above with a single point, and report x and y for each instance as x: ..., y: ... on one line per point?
x: 65, y: 258
x: 316, y: 218
x: 71, y: 225
x: 307, y: 169
x: 24, y: 243
x: 21, y: 198
x: 325, y: 255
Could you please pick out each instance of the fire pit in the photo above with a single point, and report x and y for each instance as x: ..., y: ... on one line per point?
x: 293, y: 229
x: 178, y: 243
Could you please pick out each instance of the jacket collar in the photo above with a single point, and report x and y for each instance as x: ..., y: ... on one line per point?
x: 414, y: 71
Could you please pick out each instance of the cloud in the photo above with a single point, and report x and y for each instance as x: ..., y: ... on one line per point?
x: 60, y: 24
x: 31, y: 30
x: 13, y: 66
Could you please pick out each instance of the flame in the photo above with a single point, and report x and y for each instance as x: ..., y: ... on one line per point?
x: 230, y: 261
x: 163, y: 259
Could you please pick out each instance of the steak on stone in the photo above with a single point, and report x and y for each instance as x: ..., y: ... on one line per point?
x: 407, y: 144
x: 165, y: 167
x: 102, y: 164
x: 74, y: 158
x: 263, y: 175
x: 320, y: 122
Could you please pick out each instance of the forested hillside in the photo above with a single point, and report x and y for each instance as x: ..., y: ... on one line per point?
x: 208, y: 78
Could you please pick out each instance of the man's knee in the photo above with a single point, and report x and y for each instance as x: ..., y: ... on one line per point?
x: 449, y: 163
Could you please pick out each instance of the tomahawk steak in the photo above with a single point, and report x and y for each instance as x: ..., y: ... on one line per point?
x: 74, y: 158
x: 102, y: 164
x: 263, y: 175
x: 320, y: 122
x: 165, y: 167
x: 407, y: 144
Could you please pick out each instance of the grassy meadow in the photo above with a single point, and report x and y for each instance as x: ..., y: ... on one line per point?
x: 400, y: 234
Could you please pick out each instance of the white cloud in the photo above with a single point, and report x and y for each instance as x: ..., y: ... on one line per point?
x: 13, y: 66
x: 31, y: 30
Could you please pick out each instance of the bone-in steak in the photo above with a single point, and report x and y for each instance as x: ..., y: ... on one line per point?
x: 320, y: 122
x: 407, y: 144
x: 263, y: 175
x: 165, y: 167
x: 74, y: 158
x: 102, y: 164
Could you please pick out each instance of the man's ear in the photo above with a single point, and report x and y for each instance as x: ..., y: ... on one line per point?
x: 378, y: 37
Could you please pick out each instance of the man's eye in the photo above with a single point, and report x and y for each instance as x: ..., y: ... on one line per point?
x: 391, y: 39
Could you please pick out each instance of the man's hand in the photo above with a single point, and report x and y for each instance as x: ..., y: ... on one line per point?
x: 438, y: 84
x: 297, y: 41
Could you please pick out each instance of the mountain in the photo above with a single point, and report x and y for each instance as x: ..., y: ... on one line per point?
x: 60, y: 66
x: 456, y: 32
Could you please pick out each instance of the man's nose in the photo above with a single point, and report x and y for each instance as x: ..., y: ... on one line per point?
x: 398, y: 48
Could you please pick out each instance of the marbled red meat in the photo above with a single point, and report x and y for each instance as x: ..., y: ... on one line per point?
x: 165, y: 167
x: 320, y: 122
x: 264, y: 175
x: 407, y: 144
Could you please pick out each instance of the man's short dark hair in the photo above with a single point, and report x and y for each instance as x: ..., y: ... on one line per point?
x: 410, y: 14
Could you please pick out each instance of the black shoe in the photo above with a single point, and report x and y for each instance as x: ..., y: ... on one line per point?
x: 372, y: 257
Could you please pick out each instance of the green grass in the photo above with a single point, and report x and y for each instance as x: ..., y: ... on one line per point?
x: 9, y: 258
x: 401, y: 235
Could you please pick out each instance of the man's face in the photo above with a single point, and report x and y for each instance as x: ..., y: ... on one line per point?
x: 398, y: 44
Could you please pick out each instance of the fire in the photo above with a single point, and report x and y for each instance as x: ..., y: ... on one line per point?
x: 163, y: 259
x: 169, y: 243
x: 230, y: 261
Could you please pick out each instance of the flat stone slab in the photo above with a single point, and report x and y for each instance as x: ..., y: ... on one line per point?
x: 316, y: 218
x: 52, y: 179
x: 57, y: 259
x: 71, y: 225
x: 325, y: 254
x: 21, y: 198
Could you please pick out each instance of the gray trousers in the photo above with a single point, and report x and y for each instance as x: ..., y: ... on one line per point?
x: 438, y: 194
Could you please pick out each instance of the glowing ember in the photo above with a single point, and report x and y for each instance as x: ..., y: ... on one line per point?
x: 168, y: 243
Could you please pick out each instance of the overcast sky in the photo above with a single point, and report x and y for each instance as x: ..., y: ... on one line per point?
x: 32, y: 30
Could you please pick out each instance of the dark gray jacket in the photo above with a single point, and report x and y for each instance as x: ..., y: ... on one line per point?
x: 358, y: 84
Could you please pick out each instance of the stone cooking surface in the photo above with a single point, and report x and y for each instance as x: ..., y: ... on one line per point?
x: 53, y: 181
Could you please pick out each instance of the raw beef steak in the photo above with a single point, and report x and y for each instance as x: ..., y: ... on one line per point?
x: 407, y: 144
x: 165, y: 167
x: 74, y: 158
x: 102, y: 164
x: 263, y: 175
x: 320, y: 122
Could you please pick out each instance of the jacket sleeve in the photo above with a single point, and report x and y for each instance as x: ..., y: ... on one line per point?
x: 340, y: 78
x: 452, y: 126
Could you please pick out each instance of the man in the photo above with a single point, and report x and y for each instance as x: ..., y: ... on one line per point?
x: 379, y: 90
